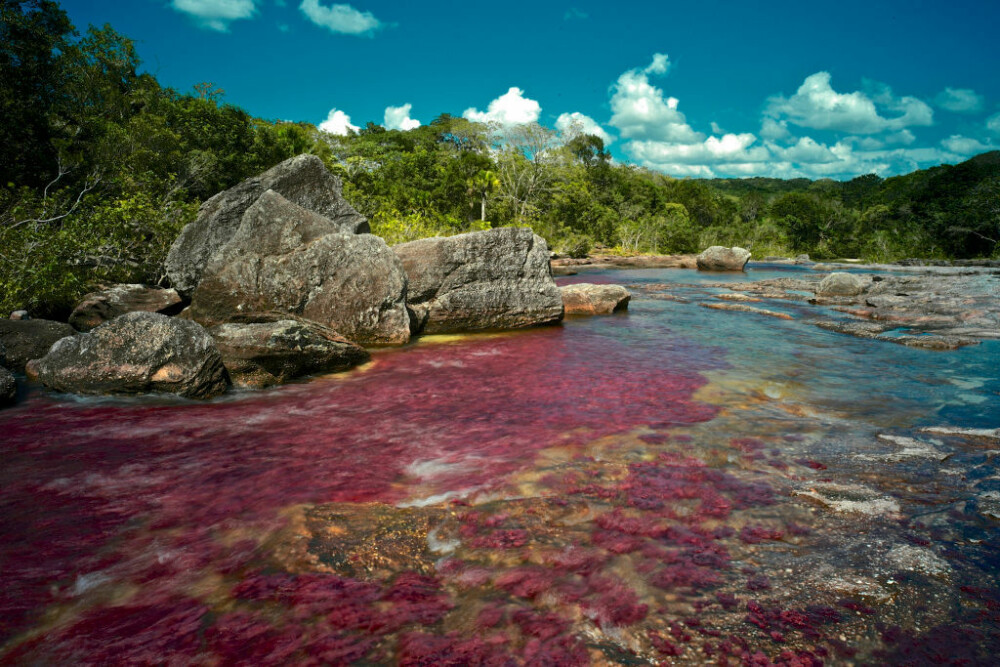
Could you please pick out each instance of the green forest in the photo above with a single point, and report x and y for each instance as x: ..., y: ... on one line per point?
x: 102, y: 166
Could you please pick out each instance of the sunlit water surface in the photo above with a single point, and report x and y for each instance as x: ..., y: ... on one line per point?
x: 673, y: 484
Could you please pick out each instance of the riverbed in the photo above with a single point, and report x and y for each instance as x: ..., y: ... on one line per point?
x: 670, y: 484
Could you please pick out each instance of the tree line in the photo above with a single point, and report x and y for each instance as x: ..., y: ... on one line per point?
x: 101, y: 166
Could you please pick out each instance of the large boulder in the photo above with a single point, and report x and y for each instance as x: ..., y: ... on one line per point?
x: 841, y: 284
x: 303, y: 180
x: 133, y: 354
x: 719, y: 258
x: 261, y: 354
x: 497, y: 279
x: 25, y: 340
x: 590, y: 299
x: 286, y: 259
x: 107, y: 304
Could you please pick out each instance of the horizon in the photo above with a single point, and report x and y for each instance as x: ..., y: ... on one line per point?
x: 786, y: 92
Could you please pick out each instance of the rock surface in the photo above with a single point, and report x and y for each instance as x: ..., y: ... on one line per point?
x: 496, y: 279
x: 99, y: 307
x: 25, y: 340
x: 589, y: 299
x: 841, y: 284
x: 262, y: 354
x: 286, y: 259
x: 718, y: 258
x: 303, y: 180
x: 135, y: 353
x: 8, y: 387
x: 19, y: 315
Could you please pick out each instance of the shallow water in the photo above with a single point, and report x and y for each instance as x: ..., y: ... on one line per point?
x: 673, y: 484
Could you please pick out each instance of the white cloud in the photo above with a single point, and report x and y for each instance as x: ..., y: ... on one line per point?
x: 216, y: 14
x: 774, y: 130
x: 340, y: 18
x: 511, y: 108
x: 575, y: 14
x: 640, y: 110
x: 993, y: 123
x: 964, y: 146
x: 818, y: 106
x: 337, y: 122
x: 959, y: 100
x: 660, y: 64
x: 398, y: 118
x: 570, y: 124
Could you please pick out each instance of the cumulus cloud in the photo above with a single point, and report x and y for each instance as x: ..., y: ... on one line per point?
x: 964, y: 146
x: 338, y: 18
x: 993, y: 123
x: 570, y: 124
x: 642, y: 112
x: 511, y: 108
x: 818, y: 106
x: 575, y: 14
x: 216, y: 14
x: 398, y: 118
x: 959, y: 100
x: 337, y: 122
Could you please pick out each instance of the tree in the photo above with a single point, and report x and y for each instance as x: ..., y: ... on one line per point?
x: 483, y: 184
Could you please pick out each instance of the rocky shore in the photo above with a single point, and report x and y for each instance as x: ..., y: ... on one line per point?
x: 278, y: 278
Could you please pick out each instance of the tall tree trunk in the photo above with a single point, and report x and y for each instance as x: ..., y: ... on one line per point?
x: 483, y: 209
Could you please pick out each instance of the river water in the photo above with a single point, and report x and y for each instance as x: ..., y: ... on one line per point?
x: 674, y: 484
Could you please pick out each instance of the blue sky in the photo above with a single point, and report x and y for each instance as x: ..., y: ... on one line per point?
x: 707, y: 88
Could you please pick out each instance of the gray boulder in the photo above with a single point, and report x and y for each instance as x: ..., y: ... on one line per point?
x: 303, y: 180
x: 590, y: 299
x: 719, y: 258
x: 99, y: 307
x: 261, y: 354
x: 286, y: 259
x: 8, y: 387
x: 496, y: 279
x: 25, y: 340
x: 133, y: 354
x: 841, y: 284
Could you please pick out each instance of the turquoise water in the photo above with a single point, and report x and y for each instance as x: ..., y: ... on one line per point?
x: 672, y: 484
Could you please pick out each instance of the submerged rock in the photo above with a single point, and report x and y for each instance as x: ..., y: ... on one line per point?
x: 262, y: 354
x: 286, y: 259
x: 497, y: 279
x: 719, y: 258
x: 841, y: 284
x: 99, y: 307
x: 25, y: 340
x: 303, y: 180
x: 590, y: 299
x: 135, y: 353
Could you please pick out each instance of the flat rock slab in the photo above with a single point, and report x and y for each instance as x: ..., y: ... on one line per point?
x: 303, y: 180
x: 107, y: 304
x: 262, y: 354
x: 286, y: 259
x: 135, y: 353
x: 24, y: 340
x: 496, y: 279
x: 590, y: 299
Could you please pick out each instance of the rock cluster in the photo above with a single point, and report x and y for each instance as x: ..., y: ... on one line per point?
x: 284, y: 281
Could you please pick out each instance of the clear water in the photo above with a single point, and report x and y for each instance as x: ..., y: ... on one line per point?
x: 674, y: 484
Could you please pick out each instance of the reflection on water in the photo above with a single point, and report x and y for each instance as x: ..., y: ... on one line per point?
x: 673, y: 484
